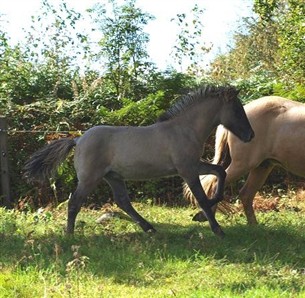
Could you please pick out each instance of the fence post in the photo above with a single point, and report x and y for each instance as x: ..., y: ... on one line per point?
x: 5, y: 180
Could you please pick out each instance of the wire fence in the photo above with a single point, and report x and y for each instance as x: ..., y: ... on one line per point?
x: 17, y: 145
x: 5, y: 133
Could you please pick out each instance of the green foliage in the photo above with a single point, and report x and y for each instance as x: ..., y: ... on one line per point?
x: 268, y: 48
x: 45, y: 65
x: 123, y: 46
x: 265, y: 8
x: 254, y: 52
x: 189, y: 49
x: 48, y: 83
x: 142, y: 112
x: 296, y: 92
x: 17, y: 85
x: 258, y: 85
x: 80, y: 114
x: 289, y: 17
x: 292, y: 43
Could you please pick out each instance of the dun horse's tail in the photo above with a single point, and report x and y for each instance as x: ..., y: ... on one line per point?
x: 43, y: 163
x: 222, y: 154
x: 208, y: 182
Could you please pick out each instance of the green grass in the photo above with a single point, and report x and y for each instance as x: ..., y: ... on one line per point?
x: 183, y: 259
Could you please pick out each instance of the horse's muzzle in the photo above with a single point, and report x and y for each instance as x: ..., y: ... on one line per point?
x: 250, y: 136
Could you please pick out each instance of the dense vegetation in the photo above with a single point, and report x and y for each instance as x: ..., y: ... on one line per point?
x: 59, y: 82
x: 63, y: 82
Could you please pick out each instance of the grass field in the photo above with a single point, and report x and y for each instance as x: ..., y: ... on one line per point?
x: 183, y: 259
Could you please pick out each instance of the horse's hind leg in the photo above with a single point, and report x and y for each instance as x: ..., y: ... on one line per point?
x: 122, y: 199
x: 75, y: 203
x: 254, y: 182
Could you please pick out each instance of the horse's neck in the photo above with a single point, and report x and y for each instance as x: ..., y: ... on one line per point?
x: 202, y: 118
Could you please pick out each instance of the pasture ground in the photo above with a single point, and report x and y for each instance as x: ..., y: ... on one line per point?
x: 183, y: 259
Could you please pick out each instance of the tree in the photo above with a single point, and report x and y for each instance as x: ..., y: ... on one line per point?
x: 289, y: 16
x: 254, y: 51
x: 268, y: 57
x: 292, y: 43
x: 123, y: 46
x: 15, y: 73
x: 189, y: 49
x: 56, y: 48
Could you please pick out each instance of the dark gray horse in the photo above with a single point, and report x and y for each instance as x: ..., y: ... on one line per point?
x: 171, y: 146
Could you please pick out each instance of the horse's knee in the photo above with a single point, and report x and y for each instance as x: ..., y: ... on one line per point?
x: 122, y: 200
x: 222, y: 173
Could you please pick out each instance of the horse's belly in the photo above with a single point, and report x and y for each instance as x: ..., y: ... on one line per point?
x: 143, y: 171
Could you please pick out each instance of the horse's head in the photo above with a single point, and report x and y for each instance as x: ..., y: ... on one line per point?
x: 234, y: 118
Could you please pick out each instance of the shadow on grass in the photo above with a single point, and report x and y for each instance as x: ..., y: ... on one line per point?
x: 127, y: 255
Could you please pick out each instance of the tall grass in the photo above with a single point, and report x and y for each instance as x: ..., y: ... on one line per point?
x: 183, y: 259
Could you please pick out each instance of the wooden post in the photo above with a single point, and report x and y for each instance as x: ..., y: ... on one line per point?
x: 5, y: 179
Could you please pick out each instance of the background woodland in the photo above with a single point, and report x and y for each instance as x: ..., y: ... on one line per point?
x: 60, y: 82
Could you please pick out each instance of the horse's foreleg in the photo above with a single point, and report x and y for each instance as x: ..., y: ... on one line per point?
x: 254, y: 182
x: 122, y: 199
x: 197, y: 190
x: 220, y: 173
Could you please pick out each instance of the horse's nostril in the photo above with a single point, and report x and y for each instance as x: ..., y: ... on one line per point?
x: 252, y: 135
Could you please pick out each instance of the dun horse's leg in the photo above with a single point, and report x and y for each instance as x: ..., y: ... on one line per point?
x: 255, y: 181
x: 122, y: 199
x: 75, y: 203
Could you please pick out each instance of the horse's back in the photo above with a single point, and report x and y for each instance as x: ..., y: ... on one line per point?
x: 117, y: 140
x: 269, y: 107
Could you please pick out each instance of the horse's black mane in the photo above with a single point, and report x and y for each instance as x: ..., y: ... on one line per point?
x: 199, y: 95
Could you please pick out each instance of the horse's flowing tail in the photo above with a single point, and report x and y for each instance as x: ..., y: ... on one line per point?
x: 43, y: 163
x: 221, y: 146
x: 208, y: 182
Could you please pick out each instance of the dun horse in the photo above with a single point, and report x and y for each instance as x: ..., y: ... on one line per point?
x: 171, y: 146
x: 279, y: 126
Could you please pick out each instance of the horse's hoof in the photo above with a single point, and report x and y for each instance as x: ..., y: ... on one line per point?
x: 219, y: 232
x: 200, y: 216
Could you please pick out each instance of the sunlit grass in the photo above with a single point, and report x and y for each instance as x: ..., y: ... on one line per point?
x: 183, y: 259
